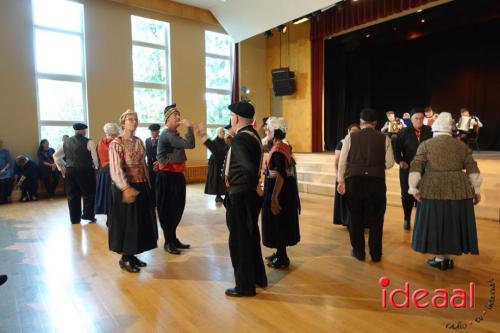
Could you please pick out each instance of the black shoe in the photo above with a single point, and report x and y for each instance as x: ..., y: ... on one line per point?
x: 376, y: 259
x: 75, y: 222
x: 271, y: 257
x: 170, y: 248
x: 279, y: 263
x: 450, y: 263
x: 407, y: 225
x: 3, y: 279
x: 129, y: 266
x: 233, y: 292
x: 442, y: 265
x: 94, y: 220
x: 180, y: 245
x: 262, y: 285
x: 137, y: 262
x: 359, y: 258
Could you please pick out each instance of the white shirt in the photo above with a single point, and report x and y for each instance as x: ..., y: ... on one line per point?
x: 344, y: 153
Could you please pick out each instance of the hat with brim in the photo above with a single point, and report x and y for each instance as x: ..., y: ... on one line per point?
x: 79, y: 126
x: 154, y: 127
x: 243, y: 109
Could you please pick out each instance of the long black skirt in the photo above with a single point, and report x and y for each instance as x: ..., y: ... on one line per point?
x: 341, y: 214
x: 132, y: 227
x: 215, y: 182
x: 283, y: 229
x: 445, y: 227
x: 103, y: 191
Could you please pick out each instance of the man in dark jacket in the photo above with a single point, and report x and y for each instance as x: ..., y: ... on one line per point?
x: 151, y: 150
x: 243, y: 202
x: 405, y: 148
x: 26, y: 173
x: 364, y: 157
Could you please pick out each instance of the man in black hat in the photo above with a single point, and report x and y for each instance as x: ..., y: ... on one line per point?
x: 151, y: 150
x: 81, y: 162
x: 170, y: 181
x: 364, y: 157
x: 405, y: 148
x: 243, y: 202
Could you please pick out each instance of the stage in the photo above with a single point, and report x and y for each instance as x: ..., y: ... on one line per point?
x: 315, y: 172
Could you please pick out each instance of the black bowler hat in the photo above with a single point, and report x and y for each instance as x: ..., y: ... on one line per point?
x: 154, y: 127
x: 368, y: 114
x: 79, y: 126
x: 243, y: 109
x: 416, y: 110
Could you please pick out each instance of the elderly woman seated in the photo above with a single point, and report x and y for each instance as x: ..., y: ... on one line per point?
x: 26, y: 177
x: 6, y: 179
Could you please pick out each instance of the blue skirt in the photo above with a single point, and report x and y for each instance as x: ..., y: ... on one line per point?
x: 445, y: 227
x: 102, y: 192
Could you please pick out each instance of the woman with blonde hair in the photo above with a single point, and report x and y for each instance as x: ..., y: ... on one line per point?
x: 132, y: 219
x: 103, y: 187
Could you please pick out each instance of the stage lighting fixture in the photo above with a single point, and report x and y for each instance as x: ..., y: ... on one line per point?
x: 419, y: 10
x: 422, y: 21
x: 268, y: 34
x: 282, y: 28
x: 367, y: 35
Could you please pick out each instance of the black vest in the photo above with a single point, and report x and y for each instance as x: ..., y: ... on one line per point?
x: 367, y: 154
x: 76, y: 153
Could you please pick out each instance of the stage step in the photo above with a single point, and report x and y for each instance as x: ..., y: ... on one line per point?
x: 315, y: 173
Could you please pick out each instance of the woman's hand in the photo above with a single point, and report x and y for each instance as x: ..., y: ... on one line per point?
x: 477, y: 198
x: 418, y: 196
x: 275, y: 206
x: 129, y: 195
x: 341, y: 188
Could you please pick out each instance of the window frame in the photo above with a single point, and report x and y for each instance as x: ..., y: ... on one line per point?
x: 61, y: 77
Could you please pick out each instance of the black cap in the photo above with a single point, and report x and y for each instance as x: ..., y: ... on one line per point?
x: 154, y: 127
x: 243, y: 109
x: 368, y: 114
x: 416, y: 110
x: 79, y: 126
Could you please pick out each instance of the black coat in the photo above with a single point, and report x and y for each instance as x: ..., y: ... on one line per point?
x: 406, y: 144
x: 151, y: 150
x: 215, y: 180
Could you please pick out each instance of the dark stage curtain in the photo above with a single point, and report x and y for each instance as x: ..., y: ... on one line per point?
x: 317, y: 57
x: 448, y: 70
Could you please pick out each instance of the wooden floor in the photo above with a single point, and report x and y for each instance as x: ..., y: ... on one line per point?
x: 63, y: 278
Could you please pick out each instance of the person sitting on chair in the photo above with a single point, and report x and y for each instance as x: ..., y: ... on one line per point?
x: 393, y: 124
x: 468, y: 126
x: 26, y: 172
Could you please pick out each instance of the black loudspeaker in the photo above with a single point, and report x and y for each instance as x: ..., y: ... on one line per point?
x: 283, y: 81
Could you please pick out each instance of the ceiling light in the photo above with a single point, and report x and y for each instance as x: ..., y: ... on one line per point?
x: 301, y: 20
x: 282, y: 28
x: 419, y: 10
x: 422, y: 21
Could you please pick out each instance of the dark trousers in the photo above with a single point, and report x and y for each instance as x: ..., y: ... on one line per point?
x: 171, y: 200
x: 29, y: 187
x: 242, y: 214
x: 152, y: 180
x: 407, y: 200
x: 80, y: 183
x: 6, y: 186
x: 50, y: 181
x: 366, y: 201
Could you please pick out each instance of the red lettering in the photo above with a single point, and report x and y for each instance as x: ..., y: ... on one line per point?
x: 440, y: 294
x: 416, y: 298
x: 472, y: 295
x: 406, y: 294
x: 458, y: 294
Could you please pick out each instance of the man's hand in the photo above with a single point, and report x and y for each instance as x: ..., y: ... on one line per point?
x: 403, y: 165
x: 341, y: 188
x: 129, y: 195
x: 186, y: 122
x: 156, y: 166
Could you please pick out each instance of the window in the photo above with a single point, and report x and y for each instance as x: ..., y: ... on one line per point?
x: 151, y: 69
x: 60, y: 67
x: 218, y: 74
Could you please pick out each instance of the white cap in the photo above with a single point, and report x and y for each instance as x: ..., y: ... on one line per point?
x: 443, y: 123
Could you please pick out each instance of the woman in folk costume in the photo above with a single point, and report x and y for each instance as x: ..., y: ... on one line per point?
x: 218, y: 149
x: 445, y: 223
x: 281, y: 205
x: 103, y: 186
x: 340, y: 211
x: 132, y: 219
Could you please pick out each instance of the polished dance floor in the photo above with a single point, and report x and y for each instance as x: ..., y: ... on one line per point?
x: 63, y: 278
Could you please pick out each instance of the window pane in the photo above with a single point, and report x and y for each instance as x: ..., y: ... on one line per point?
x: 60, y: 100
x: 149, y: 104
x: 142, y: 132
x: 58, y: 53
x: 55, y: 133
x: 60, y: 14
x: 217, y: 111
x: 149, y: 31
x: 218, y: 73
x: 149, y: 64
x: 218, y: 43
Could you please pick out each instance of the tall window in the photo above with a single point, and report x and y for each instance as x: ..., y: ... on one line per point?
x: 151, y: 68
x: 60, y: 67
x: 218, y: 73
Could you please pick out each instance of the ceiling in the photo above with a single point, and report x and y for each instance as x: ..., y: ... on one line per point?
x: 243, y: 19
